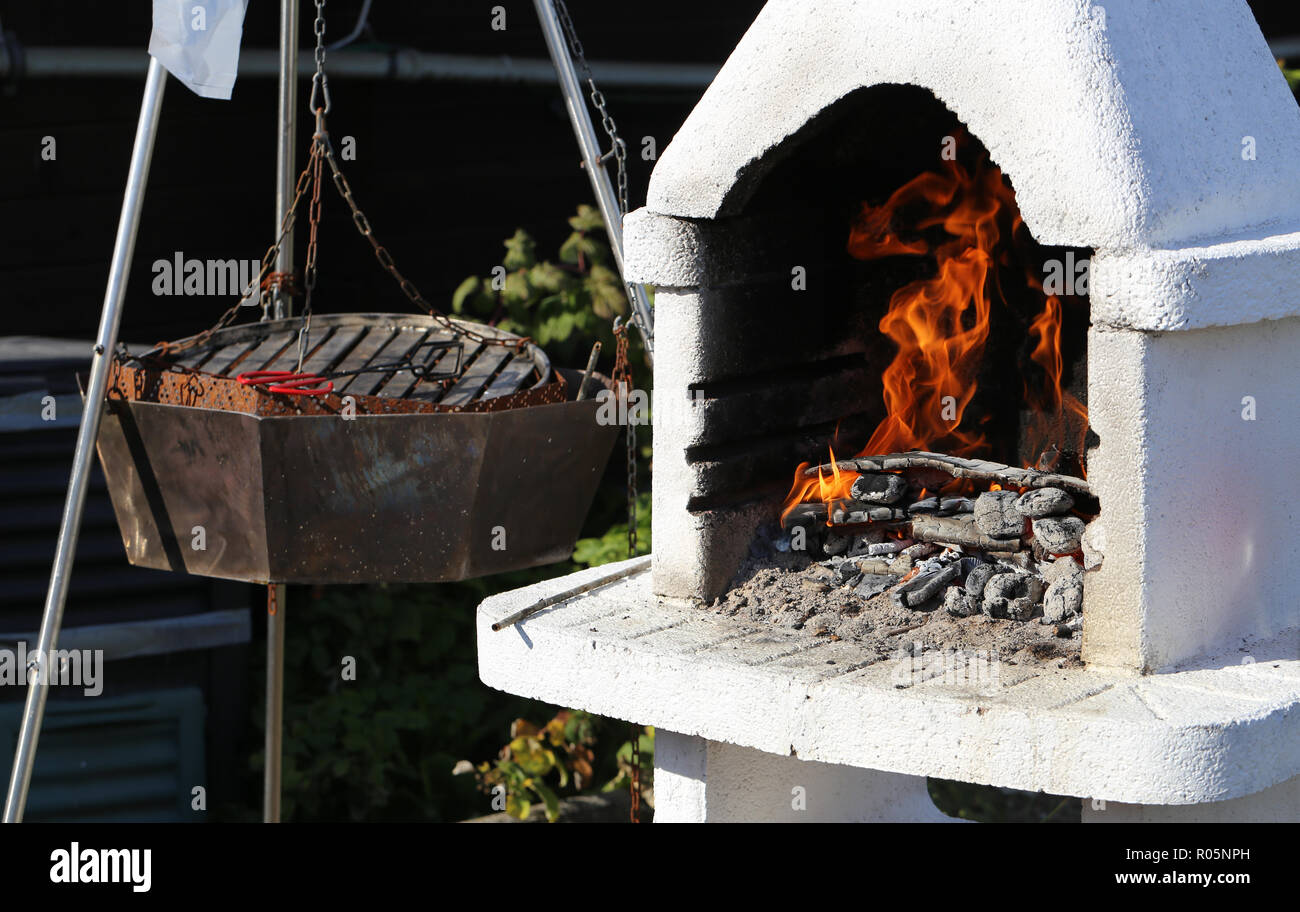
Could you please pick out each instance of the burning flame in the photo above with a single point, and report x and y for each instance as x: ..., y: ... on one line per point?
x: 1058, y: 416
x: 940, y: 324
x: 820, y: 489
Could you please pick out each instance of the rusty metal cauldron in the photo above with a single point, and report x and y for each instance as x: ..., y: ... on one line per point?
x: 434, y: 457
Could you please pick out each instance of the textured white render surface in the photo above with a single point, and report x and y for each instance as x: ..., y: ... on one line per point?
x: 1279, y: 804
x: 1121, y: 124
x: 700, y: 781
x: 1180, y: 738
x: 1201, y: 541
x: 1241, y: 281
x: 670, y: 252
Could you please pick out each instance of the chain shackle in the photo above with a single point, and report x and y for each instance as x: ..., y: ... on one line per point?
x: 320, y: 89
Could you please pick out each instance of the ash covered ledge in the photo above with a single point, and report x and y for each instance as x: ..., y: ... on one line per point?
x: 714, y: 687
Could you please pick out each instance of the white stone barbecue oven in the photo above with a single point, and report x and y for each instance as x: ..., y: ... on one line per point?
x: 1157, y: 139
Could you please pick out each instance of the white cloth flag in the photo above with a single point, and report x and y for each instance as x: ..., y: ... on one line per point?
x: 198, y: 42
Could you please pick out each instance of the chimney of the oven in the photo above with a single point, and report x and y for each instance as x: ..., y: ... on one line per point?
x: 1162, y: 136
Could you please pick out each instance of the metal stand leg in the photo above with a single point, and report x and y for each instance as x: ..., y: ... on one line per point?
x: 127, y: 227
x: 286, y: 146
x: 274, y: 702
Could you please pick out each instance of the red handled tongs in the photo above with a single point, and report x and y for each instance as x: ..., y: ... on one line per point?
x: 287, y: 382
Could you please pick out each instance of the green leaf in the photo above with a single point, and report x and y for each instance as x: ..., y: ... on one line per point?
x: 606, y: 290
x: 547, y: 278
x: 516, y: 290
x: 520, y: 251
x: 578, y: 243
x: 464, y: 291
x: 612, y: 546
x: 517, y: 806
x: 532, y: 758
x: 587, y: 219
x: 549, y: 799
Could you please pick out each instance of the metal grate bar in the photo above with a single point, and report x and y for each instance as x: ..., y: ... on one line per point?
x: 227, y: 357
x: 479, y: 375
x: 335, y: 350
x: 511, y: 378
x: 365, y: 353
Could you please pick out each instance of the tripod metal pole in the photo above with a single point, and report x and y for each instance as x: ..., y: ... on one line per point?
x: 286, y: 146
x: 606, y: 198
x: 128, y: 224
x: 282, y: 306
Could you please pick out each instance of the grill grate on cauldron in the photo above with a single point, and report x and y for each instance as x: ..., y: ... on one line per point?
x: 377, y: 363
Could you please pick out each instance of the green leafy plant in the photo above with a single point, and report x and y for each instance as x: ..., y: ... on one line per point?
x: 563, y: 306
x: 562, y: 746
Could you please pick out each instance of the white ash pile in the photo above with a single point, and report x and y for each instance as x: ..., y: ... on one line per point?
x: 1017, y: 552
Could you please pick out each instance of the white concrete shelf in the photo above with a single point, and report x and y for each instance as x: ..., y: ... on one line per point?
x: 1184, y: 737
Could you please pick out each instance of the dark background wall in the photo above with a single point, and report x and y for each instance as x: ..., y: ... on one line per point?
x: 445, y: 170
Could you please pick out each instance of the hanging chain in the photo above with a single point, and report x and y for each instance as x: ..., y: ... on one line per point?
x: 261, y: 283
x: 320, y: 87
x: 618, y: 150
x: 321, y: 143
x: 623, y: 380
x: 636, y: 774
x: 386, y: 261
x: 319, y: 105
x: 322, y: 152
x: 623, y: 383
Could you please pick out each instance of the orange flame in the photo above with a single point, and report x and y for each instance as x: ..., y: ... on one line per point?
x: 940, y: 325
x: 1058, y: 416
x: 821, y: 489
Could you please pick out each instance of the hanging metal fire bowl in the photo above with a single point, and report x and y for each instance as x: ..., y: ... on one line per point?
x: 317, y: 498
x: 410, y: 498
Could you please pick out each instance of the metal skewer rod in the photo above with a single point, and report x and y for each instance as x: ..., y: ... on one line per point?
x: 282, y: 303
x: 630, y: 568
x: 601, y: 185
x: 83, y: 456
